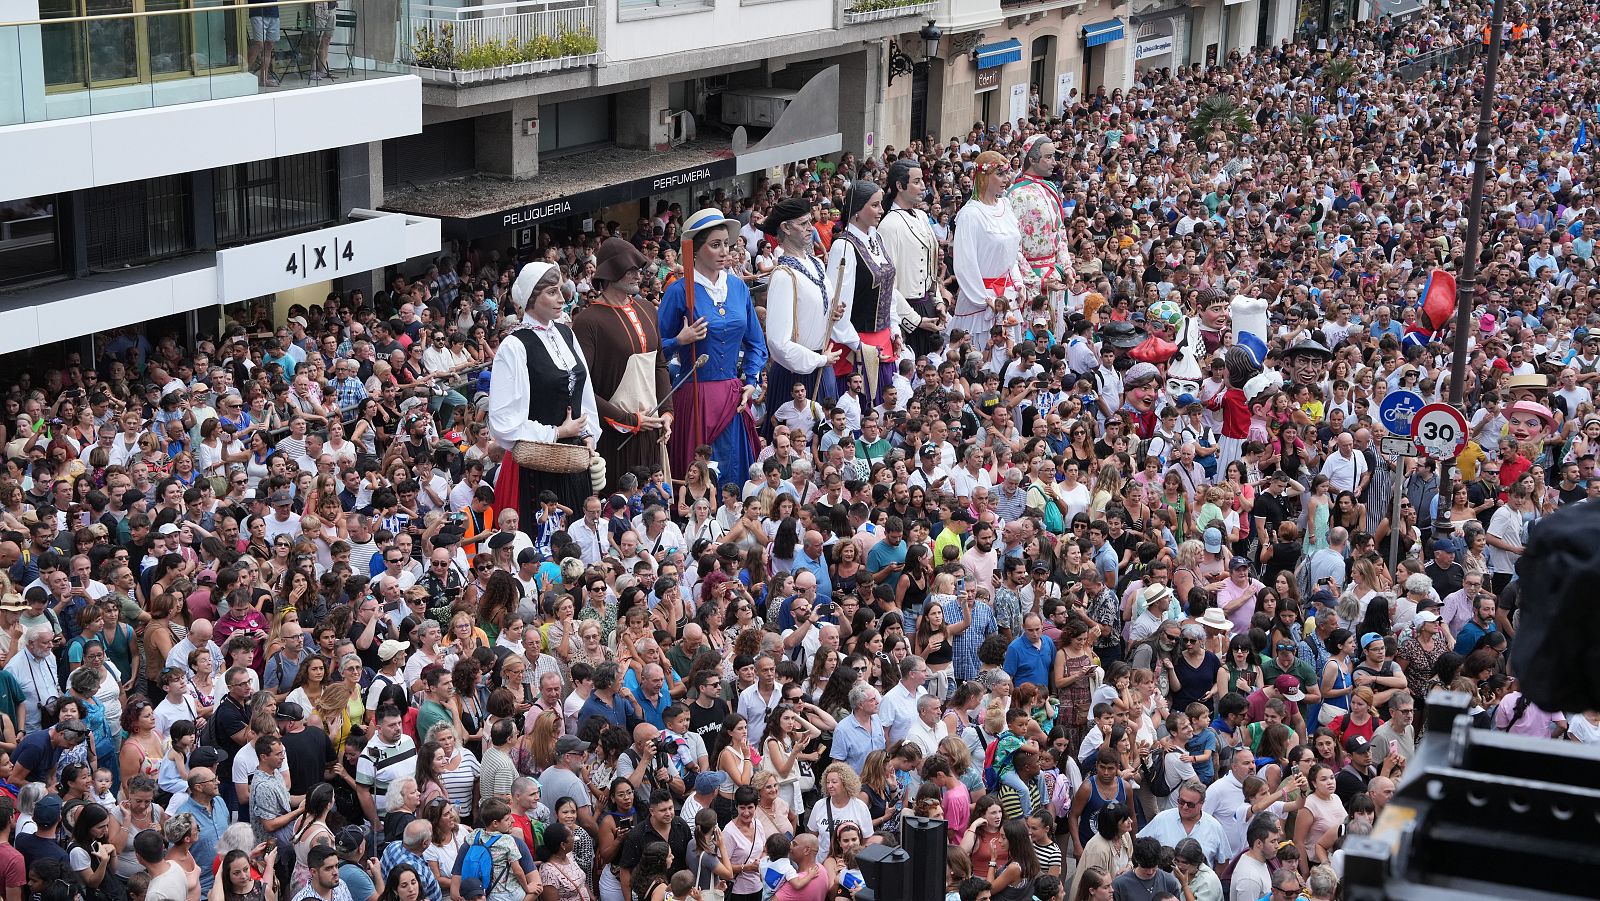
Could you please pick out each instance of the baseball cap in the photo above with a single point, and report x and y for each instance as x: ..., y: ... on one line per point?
x: 1239, y: 563
x: 1424, y: 616
x: 349, y: 839
x: 1289, y: 687
x: 280, y: 499
x: 929, y: 448
x: 570, y: 744
x: 706, y: 783
x: 1213, y: 540
x: 472, y: 888
x: 1355, y: 744
x: 208, y: 756
x: 168, y: 528
x: 1369, y: 638
x: 390, y: 647
x: 1448, y: 545
x: 47, y: 811
x: 289, y: 710
x: 529, y: 555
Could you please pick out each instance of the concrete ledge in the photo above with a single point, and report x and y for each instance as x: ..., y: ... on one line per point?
x: 665, y: 10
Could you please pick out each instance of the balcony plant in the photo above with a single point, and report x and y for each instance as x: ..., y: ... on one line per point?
x: 438, y: 50
x: 871, y: 10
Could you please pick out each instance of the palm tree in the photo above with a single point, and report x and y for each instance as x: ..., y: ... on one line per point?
x: 1336, y: 74
x: 1219, y: 112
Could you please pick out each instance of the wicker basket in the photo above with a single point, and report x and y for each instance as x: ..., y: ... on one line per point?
x: 542, y: 456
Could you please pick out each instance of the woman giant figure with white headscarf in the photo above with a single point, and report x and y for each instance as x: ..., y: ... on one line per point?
x: 539, y: 392
x: 986, y: 243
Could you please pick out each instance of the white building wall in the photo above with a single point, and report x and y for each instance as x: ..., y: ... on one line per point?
x: 635, y: 34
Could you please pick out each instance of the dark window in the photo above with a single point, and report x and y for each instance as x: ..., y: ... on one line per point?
x: 442, y: 150
x: 29, y: 243
x: 576, y: 124
x: 138, y: 221
x: 268, y: 198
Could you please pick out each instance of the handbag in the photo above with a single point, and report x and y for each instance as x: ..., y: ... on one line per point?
x: 706, y: 894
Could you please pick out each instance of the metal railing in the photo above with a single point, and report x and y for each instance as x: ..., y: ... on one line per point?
x: 185, y: 52
x: 1444, y: 58
x: 460, y: 44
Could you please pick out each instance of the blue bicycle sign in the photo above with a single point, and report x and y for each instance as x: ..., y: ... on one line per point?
x: 1397, y: 410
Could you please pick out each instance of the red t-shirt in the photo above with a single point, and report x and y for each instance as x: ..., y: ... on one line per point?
x: 13, y: 870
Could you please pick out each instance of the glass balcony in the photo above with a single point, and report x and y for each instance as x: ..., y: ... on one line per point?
x: 91, y: 57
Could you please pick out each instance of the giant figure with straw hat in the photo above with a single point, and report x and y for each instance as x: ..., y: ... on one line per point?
x: 710, y: 313
x: 541, y: 403
x: 800, y: 320
x: 622, y: 342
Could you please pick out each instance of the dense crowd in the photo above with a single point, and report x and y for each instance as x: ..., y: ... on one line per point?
x: 269, y: 629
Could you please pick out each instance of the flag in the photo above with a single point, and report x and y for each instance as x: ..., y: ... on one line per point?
x: 1438, y: 300
x: 1583, y: 136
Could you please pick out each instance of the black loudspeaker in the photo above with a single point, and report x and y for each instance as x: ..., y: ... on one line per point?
x: 925, y: 840
x: 888, y: 872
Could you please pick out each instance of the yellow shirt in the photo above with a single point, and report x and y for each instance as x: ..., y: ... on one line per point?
x: 1469, y: 460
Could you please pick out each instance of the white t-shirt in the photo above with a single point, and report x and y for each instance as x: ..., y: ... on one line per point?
x: 854, y: 812
x: 1506, y: 525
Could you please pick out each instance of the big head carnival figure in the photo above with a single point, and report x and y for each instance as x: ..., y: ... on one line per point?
x: 1248, y: 384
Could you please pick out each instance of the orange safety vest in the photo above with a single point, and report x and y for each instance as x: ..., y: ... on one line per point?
x: 468, y: 546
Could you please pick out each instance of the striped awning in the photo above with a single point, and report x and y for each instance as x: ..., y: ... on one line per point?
x: 1102, y: 33
x: 993, y: 56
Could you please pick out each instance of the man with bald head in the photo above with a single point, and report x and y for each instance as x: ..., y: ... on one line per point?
x: 813, y: 558
x: 647, y: 763
x: 1346, y: 469
x: 199, y: 637
x: 682, y: 655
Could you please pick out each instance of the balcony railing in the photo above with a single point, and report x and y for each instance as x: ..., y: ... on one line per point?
x: 502, y: 40
x: 859, y: 11
x: 141, y: 54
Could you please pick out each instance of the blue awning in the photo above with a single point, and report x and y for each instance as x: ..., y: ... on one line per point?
x: 993, y: 56
x: 1102, y: 33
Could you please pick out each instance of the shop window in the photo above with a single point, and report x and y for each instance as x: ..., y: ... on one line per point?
x: 273, y: 197
x: 138, y: 222
x: 576, y: 124
x: 30, y: 245
x: 136, y: 49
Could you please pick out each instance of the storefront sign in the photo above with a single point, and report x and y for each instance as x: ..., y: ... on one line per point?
x: 277, y: 265
x: 1158, y: 46
x: 987, y: 80
x: 1019, y: 102
x: 585, y: 202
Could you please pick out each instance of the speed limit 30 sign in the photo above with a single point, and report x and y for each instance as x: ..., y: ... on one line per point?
x: 1440, y: 431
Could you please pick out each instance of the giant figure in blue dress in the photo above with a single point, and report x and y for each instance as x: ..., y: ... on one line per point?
x: 718, y: 319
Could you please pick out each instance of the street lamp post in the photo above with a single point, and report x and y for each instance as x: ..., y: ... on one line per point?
x: 1467, y: 285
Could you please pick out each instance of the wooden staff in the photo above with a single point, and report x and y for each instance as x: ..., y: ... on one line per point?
x: 686, y: 254
x: 834, y: 312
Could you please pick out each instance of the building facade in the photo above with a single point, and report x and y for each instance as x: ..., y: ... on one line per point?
x: 158, y: 170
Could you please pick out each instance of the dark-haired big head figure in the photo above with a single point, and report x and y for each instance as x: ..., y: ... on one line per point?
x: 874, y: 306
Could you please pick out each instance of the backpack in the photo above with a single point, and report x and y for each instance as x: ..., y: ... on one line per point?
x: 991, y: 773
x: 1154, y: 773
x: 477, y: 862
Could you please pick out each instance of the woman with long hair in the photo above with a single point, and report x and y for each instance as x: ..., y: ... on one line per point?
x: 785, y: 752
x: 1015, y: 880
x: 403, y: 883
x: 445, y: 839
x: 311, y: 829
x: 985, y: 840
x: 309, y: 680
x: 916, y: 580
x: 1091, y: 884
x: 654, y: 870
x: 935, y: 639
x: 236, y: 879
x: 987, y: 237
x: 731, y: 753
x: 583, y: 847
x: 708, y: 853
x: 885, y: 796
x: 1323, y: 811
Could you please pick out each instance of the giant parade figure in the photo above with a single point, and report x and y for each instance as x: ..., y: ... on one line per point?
x: 864, y: 278
x: 800, y: 320
x: 619, y: 336
x: 908, y: 239
x: 1046, y: 263
x: 987, y: 242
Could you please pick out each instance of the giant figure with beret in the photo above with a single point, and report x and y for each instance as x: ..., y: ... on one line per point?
x: 801, y: 322
x: 710, y: 313
x: 622, y: 342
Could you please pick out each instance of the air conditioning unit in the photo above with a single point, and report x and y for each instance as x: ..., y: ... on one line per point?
x: 755, y: 107
x: 682, y: 127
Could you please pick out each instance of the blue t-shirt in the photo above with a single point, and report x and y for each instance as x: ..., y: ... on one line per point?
x: 38, y: 755
x: 883, y: 555
x: 1203, y: 741
x: 357, y: 880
